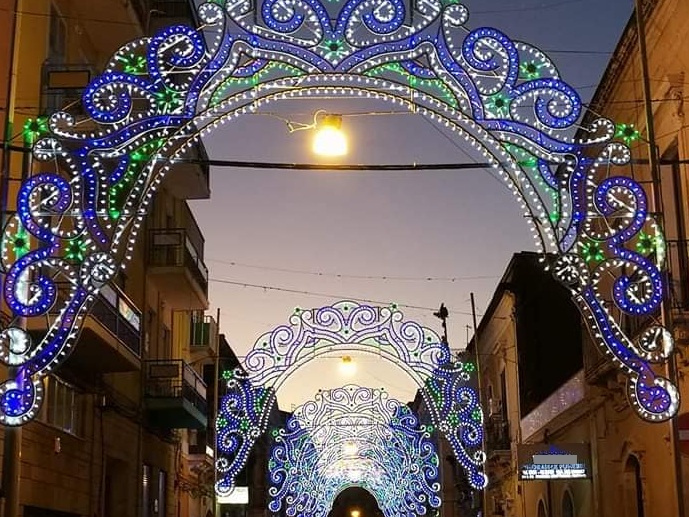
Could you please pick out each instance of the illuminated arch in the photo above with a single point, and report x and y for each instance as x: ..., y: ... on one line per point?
x: 158, y: 95
x: 445, y: 383
x: 353, y: 436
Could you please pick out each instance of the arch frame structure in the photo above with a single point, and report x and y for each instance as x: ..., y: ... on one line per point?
x: 353, y: 436
x: 76, y: 226
x: 447, y: 384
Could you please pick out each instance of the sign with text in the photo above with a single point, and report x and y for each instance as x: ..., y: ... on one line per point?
x: 239, y: 495
x: 554, y: 461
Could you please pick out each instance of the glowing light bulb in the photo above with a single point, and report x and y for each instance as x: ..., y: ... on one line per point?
x: 329, y: 139
x: 351, y: 449
x: 347, y: 366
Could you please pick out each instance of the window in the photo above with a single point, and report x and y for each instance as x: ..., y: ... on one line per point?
x: 567, y: 505
x: 63, y: 406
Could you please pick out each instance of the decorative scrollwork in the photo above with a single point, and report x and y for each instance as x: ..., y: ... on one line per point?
x: 448, y: 387
x: 353, y: 436
x: 158, y: 95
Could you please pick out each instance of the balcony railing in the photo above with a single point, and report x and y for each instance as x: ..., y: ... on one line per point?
x: 120, y: 316
x: 172, y: 247
x: 175, y: 379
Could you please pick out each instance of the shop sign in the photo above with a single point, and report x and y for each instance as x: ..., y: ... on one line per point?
x: 554, y: 461
x: 239, y: 495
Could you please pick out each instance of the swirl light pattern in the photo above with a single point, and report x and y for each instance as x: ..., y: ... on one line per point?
x: 77, y: 225
x: 447, y: 386
x: 353, y: 436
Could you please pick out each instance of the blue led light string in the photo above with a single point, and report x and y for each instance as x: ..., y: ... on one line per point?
x: 447, y: 387
x: 353, y: 436
x: 507, y: 94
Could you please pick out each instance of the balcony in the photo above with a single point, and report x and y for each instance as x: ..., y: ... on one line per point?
x: 596, y: 365
x: 189, y: 177
x: 176, y: 266
x: 111, y: 336
x: 175, y: 396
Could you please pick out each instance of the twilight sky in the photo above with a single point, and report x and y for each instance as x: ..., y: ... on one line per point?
x: 321, y: 232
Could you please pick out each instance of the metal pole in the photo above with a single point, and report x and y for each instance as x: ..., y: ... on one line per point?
x: 12, y: 447
x: 478, y: 379
x: 216, y: 395
x: 666, y: 309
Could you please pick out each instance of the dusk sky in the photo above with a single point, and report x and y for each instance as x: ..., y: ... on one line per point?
x: 377, y: 235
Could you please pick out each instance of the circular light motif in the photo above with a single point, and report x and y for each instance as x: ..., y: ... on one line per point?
x: 158, y: 96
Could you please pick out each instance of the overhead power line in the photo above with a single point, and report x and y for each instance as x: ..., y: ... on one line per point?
x: 354, y: 277
x: 327, y: 295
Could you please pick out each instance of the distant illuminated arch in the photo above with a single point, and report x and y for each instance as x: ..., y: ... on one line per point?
x: 446, y: 384
x: 379, y: 446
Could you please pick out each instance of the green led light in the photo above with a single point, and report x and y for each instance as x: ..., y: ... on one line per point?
x: 591, y: 251
x: 168, y: 100
x: 76, y: 250
x: 34, y: 128
x: 21, y: 242
x: 133, y: 64
x: 648, y: 244
x: 500, y: 105
x: 627, y: 132
x: 530, y: 70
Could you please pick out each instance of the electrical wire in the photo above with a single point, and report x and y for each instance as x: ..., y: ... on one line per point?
x: 353, y: 277
x: 327, y: 295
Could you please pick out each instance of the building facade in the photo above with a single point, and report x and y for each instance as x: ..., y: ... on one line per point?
x: 126, y: 424
x: 635, y: 468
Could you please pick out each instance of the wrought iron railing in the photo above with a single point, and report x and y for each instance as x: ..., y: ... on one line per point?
x: 120, y: 316
x: 113, y: 311
x: 174, y: 378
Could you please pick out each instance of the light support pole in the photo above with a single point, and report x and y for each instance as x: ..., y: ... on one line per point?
x: 654, y: 163
x: 12, y: 446
x: 216, y: 398
x: 477, y: 354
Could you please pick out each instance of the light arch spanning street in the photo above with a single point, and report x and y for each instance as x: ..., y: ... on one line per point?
x: 353, y: 436
x: 159, y: 95
x: 446, y: 384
